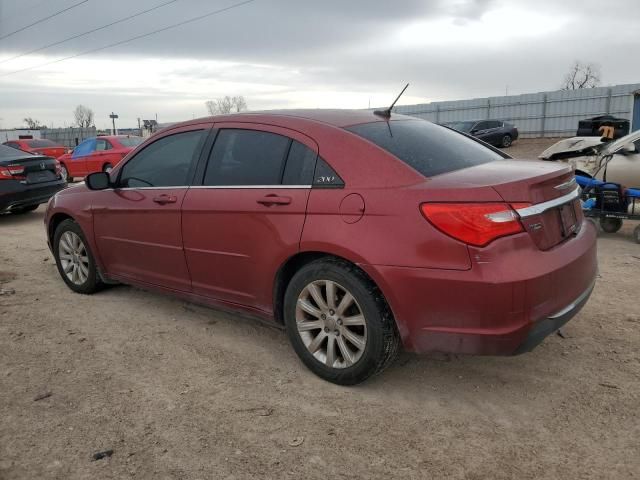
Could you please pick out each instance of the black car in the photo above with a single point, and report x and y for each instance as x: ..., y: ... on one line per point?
x: 27, y: 180
x: 592, y: 127
x: 495, y: 132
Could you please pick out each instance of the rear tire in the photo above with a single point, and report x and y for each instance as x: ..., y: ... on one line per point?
x: 610, y: 225
x: 349, y: 333
x: 506, y: 141
x: 20, y: 211
x: 74, y: 259
x: 107, y: 168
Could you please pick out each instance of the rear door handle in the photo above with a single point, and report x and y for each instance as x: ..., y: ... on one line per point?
x: 273, y: 199
x: 164, y: 198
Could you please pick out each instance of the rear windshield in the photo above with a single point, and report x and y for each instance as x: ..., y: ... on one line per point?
x: 130, y: 141
x: 41, y: 143
x: 428, y: 148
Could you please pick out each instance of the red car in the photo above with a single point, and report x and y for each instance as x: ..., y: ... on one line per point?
x: 356, y: 231
x: 40, y: 146
x: 97, y: 154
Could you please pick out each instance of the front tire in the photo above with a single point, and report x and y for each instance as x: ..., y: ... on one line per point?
x: 506, y: 141
x: 74, y: 259
x: 64, y: 173
x: 338, y: 322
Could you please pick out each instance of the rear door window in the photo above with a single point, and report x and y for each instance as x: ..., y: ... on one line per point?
x: 301, y: 163
x: 102, y: 145
x: 166, y: 162
x: 248, y: 157
x: 428, y: 148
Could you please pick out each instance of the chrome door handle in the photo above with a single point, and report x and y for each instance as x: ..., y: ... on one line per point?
x: 273, y: 199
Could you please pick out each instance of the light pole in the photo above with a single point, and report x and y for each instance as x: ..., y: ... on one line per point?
x: 113, y: 117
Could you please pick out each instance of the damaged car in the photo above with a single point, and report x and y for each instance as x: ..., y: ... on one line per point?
x: 616, y: 161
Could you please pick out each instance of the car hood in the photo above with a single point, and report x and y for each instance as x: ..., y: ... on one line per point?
x: 575, y: 146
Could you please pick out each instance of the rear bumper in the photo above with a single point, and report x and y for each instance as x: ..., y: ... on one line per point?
x: 14, y: 194
x: 513, y: 296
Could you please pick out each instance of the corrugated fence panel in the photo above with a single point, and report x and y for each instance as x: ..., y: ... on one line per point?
x: 550, y: 114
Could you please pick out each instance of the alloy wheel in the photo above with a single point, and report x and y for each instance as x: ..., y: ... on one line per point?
x: 74, y: 258
x: 64, y: 173
x: 331, y: 324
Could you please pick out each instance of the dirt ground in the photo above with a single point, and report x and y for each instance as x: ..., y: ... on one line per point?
x: 180, y: 391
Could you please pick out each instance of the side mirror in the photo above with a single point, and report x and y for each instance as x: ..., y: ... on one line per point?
x: 628, y: 148
x: 98, y: 181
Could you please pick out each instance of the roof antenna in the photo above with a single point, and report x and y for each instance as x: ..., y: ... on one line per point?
x: 387, y: 113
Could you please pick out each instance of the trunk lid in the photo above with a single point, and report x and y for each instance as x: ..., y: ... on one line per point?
x: 549, y: 188
x: 31, y: 169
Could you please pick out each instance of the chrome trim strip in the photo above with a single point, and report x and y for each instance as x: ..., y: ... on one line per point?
x: 539, y: 208
x: 573, y: 304
x: 565, y: 185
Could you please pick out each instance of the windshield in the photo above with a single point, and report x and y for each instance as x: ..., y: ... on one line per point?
x: 428, y: 148
x: 463, y: 126
x: 130, y: 141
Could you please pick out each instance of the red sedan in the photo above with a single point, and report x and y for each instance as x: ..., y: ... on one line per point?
x: 97, y: 154
x: 38, y: 146
x: 355, y: 231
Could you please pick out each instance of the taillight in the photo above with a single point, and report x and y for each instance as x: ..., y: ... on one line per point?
x: 10, y: 172
x: 473, y: 223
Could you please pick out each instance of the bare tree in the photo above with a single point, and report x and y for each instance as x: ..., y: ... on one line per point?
x: 581, y: 75
x: 83, y: 116
x: 32, y: 123
x: 226, y: 104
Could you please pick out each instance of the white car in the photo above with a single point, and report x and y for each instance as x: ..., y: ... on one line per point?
x: 590, y: 155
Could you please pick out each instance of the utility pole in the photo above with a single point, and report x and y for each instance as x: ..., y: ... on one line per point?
x: 113, y: 117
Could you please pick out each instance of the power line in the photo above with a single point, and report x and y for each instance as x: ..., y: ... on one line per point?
x: 137, y: 37
x: 90, y: 31
x: 43, y: 19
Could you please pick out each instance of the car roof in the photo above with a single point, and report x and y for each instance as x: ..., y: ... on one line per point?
x: 336, y: 117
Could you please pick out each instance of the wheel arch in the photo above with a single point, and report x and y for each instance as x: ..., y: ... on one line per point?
x: 55, y: 220
x: 294, y: 263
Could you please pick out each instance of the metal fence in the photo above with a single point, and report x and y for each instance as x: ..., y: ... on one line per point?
x: 69, y: 137
x: 544, y: 114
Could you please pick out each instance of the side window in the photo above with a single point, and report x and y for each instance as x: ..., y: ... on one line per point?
x: 102, y: 144
x: 301, y: 163
x: 85, y: 148
x: 246, y: 157
x: 481, y: 126
x: 165, y: 162
x: 325, y: 176
x: 495, y: 124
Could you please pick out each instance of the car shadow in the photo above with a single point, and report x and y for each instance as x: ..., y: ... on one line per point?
x: 11, y: 220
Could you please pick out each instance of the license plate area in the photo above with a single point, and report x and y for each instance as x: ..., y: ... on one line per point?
x: 568, y: 219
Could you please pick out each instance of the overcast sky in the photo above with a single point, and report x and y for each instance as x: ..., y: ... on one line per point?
x: 298, y: 53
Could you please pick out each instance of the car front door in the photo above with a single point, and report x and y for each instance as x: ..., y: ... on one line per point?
x: 245, y: 217
x: 78, y: 167
x: 137, y: 224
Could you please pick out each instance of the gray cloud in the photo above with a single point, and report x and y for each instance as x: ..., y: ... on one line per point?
x: 280, y: 48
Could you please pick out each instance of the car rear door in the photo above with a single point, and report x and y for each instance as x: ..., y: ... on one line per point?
x: 102, y: 156
x: 245, y: 217
x: 137, y: 224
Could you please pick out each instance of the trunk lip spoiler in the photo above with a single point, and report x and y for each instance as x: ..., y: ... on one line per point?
x: 540, y: 208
